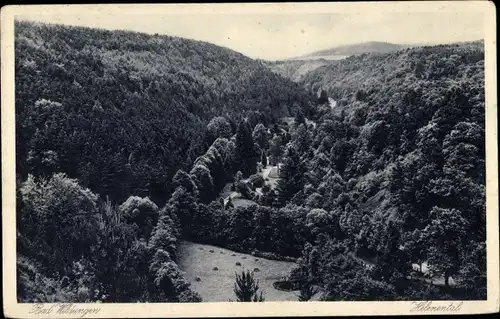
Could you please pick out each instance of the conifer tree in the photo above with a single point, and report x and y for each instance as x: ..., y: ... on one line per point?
x: 204, y: 182
x: 263, y: 160
x: 276, y: 150
x: 260, y: 136
x: 300, y: 118
x: 246, y: 288
x: 245, y: 155
x: 291, y: 176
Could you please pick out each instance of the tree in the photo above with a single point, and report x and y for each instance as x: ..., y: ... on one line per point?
x: 58, y: 221
x: 246, y: 288
x: 268, y: 197
x: 141, y: 211
x: 445, y: 235
x: 245, y: 153
x: 219, y: 127
x: 300, y: 118
x: 182, y: 205
x: 392, y: 262
x: 263, y: 159
x: 204, y: 182
x: 276, y: 150
x: 302, y: 138
x: 472, y: 274
x: 164, y: 236
x: 261, y: 136
x: 320, y: 221
x: 322, y: 96
x: 416, y: 246
x: 169, y: 281
x: 291, y: 176
x: 183, y: 179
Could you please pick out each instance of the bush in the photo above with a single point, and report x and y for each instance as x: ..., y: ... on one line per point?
x: 245, y: 190
x: 256, y: 180
x: 170, y: 283
x: 34, y: 286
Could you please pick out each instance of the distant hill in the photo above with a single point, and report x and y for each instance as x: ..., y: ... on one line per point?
x: 122, y: 111
x: 319, y: 66
x: 296, y: 68
x: 426, y: 64
x: 354, y: 49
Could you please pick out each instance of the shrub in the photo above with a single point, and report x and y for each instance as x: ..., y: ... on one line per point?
x: 245, y: 190
x: 256, y: 180
x: 171, y: 285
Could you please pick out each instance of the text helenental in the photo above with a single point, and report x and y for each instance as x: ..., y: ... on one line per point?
x: 423, y: 306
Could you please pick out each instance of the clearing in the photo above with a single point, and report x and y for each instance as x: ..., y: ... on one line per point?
x: 196, y: 260
x: 269, y: 172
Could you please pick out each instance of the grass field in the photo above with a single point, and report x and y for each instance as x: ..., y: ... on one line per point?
x: 196, y: 260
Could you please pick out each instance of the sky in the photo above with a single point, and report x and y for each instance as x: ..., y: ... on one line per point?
x: 273, y: 36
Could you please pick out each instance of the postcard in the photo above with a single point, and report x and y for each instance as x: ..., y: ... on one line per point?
x: 249, y: 160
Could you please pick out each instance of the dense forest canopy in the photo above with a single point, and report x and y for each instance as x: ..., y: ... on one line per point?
x: 122, y: 111
x: 126, y: 143
x: 404, y: 143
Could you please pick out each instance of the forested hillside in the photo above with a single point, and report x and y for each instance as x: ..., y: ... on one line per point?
x: 122, y: 111
x: 398, y: 167
x: 415, y: 68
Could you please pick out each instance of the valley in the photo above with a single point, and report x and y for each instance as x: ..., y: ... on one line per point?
x: 153, y: 168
